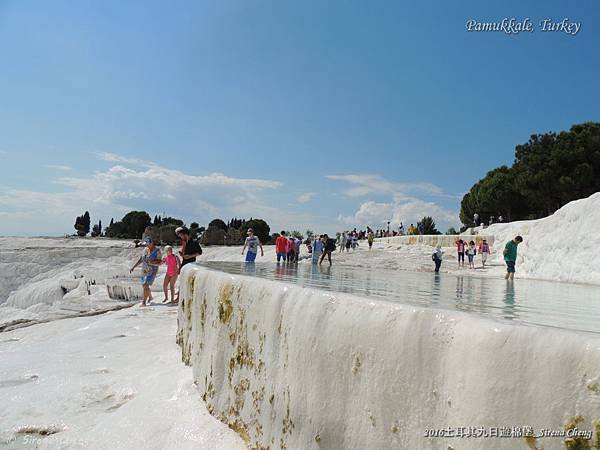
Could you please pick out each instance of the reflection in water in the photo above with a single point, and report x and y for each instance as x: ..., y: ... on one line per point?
x: 533, y: 302
x: 436, y: 288
x: 460, y: 287
x: 509, y: 309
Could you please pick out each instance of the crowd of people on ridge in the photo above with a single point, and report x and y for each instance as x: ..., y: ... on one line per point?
x: 288, y: 249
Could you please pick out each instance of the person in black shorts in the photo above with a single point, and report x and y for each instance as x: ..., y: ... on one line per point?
x: 190, y: 248
x: 328, y: 247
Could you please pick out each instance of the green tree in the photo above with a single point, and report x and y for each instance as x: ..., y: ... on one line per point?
x: 171, y: 221
x: 82, y: 224
x: 135, y: 223
x: 218, y: 223
x: 260, y: 227
x: 131, y: 226
x: 451, y: 231
x: 428, y: 225
x: 549, y: 171
x: 116, y: 230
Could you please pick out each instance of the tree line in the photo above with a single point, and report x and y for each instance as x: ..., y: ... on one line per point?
x: 549, y: 171
x: 136, y: 224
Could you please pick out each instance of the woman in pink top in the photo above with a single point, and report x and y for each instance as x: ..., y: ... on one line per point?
x: 173, y: 264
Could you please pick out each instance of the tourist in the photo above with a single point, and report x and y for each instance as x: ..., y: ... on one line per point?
x: 401, y: 229
x: 253, y: 243
x: 281, y: 244
x: 491, y: 220
x: 290, y: 249
x: 190, y: 248
x: 173, y: 264
x: 343, y: 241
x: 460, y: 249
x: 297, y: 245
x: 471, y: 252
x: 437, y: 258
x: 370, y: 238
x: 317, y: 249
x: 150, y: 261
x: 500, y: 219
x: 476, y: 219
x: 484, y: 251
x: 147, y: 233
x: 510, y: 257
x: 328, y: 247
x: 354, y: 240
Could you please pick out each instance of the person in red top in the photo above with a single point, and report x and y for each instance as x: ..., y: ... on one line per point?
x: 281, y: 246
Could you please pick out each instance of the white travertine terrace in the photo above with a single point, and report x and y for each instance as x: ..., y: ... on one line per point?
x: 291, y: 367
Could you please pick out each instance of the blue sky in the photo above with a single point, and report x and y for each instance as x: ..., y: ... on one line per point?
x: 326, y: 115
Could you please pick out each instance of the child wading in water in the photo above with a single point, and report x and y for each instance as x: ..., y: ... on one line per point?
x: 173, y: 265
x: 471, y: 252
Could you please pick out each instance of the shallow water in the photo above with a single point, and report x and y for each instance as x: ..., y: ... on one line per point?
x: 530, y: 302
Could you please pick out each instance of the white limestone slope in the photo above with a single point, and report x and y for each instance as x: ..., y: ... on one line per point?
x: 112, y: 381
x: 290, y: 367
x: 39, y: 267
x: 561, y: 247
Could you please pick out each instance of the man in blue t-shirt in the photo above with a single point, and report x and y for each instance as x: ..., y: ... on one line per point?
x: 510, y: 257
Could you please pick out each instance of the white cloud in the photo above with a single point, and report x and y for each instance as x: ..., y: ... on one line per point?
x: 402, y: 206
x: 113, y: 157
x: 109, y: 193
x: 365, y: 184
x: 407, y: 211
x: 58, y: 167
x: 306, y: 197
